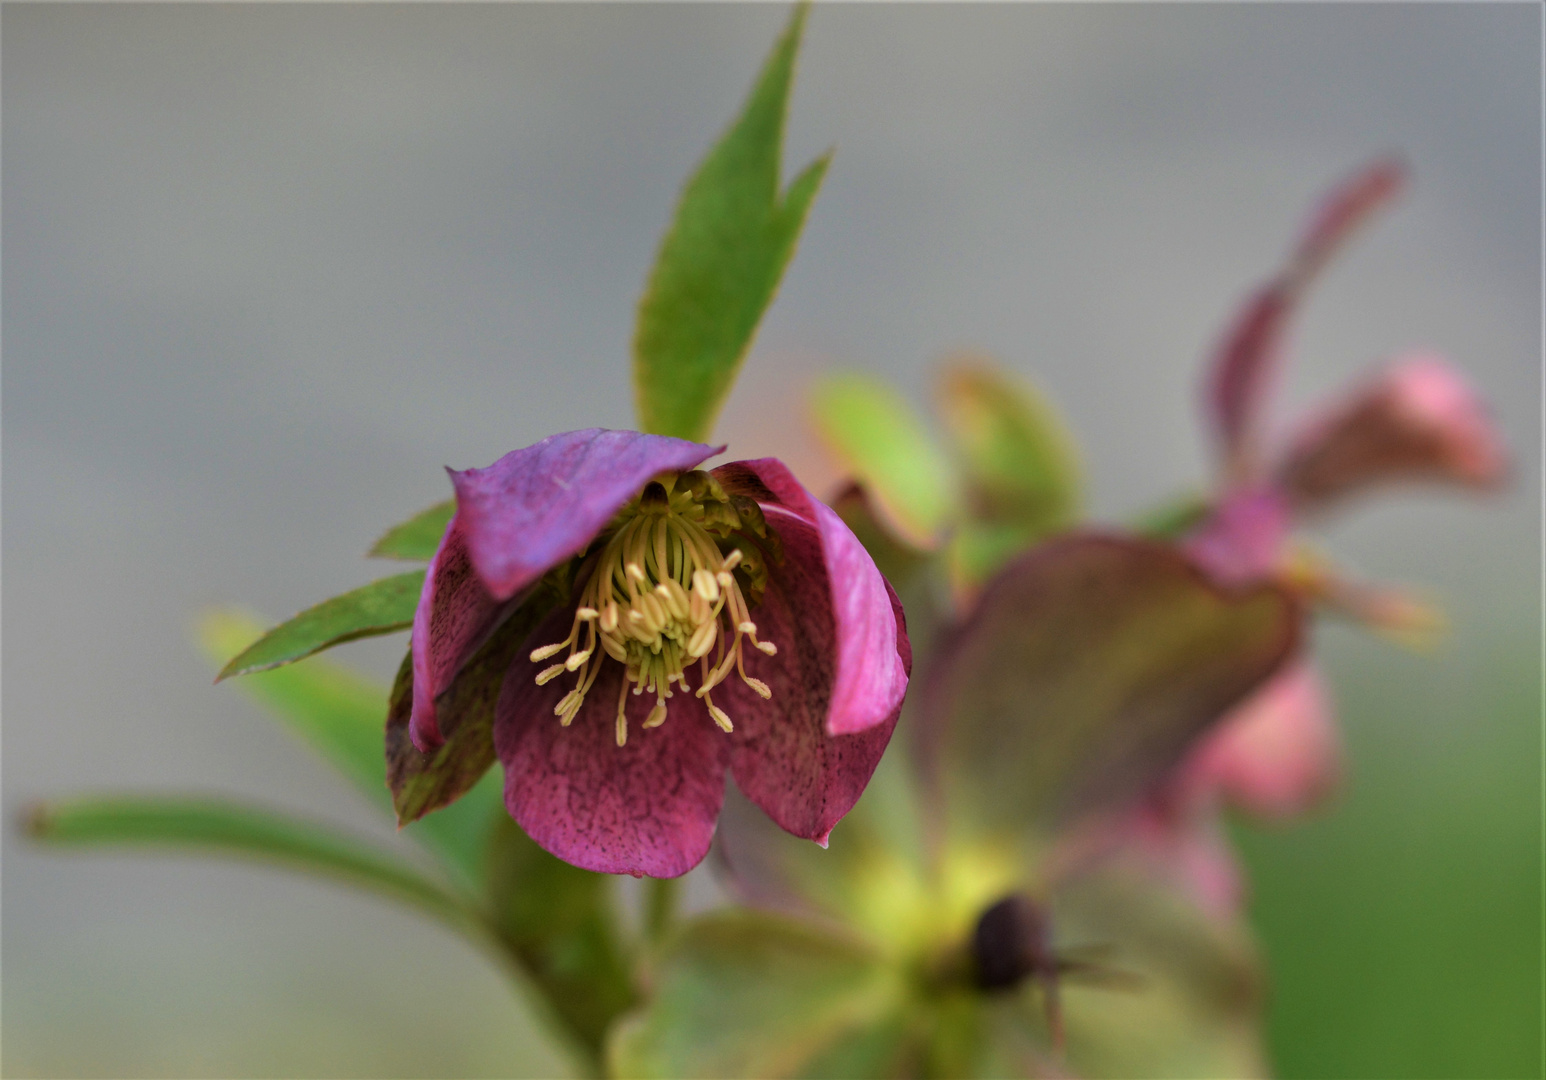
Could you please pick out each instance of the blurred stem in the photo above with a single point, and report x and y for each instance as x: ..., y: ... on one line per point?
x: 660, y: 906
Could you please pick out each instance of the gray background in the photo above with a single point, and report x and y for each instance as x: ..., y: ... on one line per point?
x: 267, y: 269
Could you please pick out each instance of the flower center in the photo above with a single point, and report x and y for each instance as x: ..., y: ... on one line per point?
x: 665, y: 592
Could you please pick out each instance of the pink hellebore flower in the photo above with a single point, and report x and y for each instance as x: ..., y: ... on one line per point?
x: 718, y: 620
x: 1416, y: 420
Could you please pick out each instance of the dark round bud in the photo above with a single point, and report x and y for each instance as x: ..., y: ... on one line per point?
x: 1010, y: 943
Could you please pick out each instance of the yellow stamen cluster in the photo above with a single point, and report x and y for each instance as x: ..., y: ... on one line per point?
x: 660, y: 596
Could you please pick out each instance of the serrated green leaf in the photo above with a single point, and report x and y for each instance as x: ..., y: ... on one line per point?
x: 341, y: 716
x: 744, y: 993
x: 230, y: 828
x: 887, y: 448
x: 721, y: 260
x: 1017, y: 458
x: 417, y: 538
x: 559, y: 921
x: 382, y: 607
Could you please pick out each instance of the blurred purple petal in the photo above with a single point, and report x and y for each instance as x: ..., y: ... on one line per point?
x: 534, y: 508
x: 1240, y: 375
x: 1243, y: 539
x: 1344, y: 210
x: 1417, y: 420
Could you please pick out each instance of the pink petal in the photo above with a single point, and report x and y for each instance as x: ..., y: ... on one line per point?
x: 869, y: 675
x: 783, y: 757
x: 646, y: 808
x: 1417, y: 420
x: 1248, y: 356
x: 455, y: 616
x: 1243, y: 366
x: 1243, y: 539
x: 534, y: 508
x: 1345, y: 209
x: 1275, y: 756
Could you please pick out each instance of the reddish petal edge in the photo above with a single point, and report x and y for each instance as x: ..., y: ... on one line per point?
x: 455, y: 616
x: 537, y: 506
x: 870, y: 680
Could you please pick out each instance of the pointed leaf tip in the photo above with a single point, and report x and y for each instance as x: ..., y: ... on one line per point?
x: 722, y: 258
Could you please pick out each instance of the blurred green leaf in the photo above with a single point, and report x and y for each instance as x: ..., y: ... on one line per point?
x: 1174, y: 519
x: 1086, y: 670
x: 559, y: 921
x: 745, y: 993
x: 421, y: 783
x: 721, y: 260
x: 887, y: 448
x: 417, y: 538
x: 1019, y: 463
x: 381, y: 607
x: 342, y: 717
x: 229, y: 828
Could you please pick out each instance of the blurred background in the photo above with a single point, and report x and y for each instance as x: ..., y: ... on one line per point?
x: 267, y: 269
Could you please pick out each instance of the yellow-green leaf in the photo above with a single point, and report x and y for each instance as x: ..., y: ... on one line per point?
x: 416, y: 539
x: 887, y: 448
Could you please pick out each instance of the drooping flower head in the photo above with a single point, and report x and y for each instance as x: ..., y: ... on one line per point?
x: 1416, y: 420
x: 715, y: 620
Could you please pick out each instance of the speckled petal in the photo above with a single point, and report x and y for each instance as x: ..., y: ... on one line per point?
x: 647, y: 808
x: 534, y: 508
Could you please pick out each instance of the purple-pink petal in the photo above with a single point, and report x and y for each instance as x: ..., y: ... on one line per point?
x: 1345, y: 209
x: 536, y: 507
x: 455, y: 616
x: 1417, y: 420
x: 869, y: 676
x: 1242, y: 541
x: 647, y: 808
x: 783, y: 757
x: 1240, y: 375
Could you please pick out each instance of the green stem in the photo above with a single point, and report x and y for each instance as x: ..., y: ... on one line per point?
x: 660, y: 906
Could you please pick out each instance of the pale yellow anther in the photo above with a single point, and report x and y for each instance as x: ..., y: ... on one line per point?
x: 615, y: 649
x: 721, y: 718
x: 732, y: 560
x: 635, y: 571
x: 585, y: 614
x: 565, y: 704
x: 725, y: 580
x: 622, y: 730
x: 758, y: 685
x: 657, y: 716
x: 547, y: 675
x: 747, y: 627
x: 705, y: 585
x: 608, y: 620
x: 538, y: 655
x: 579, y: 658
x: 767, y: 648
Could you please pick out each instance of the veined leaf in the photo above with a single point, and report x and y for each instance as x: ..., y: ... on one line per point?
x: 230, y: 828
x: 887, y: 447
x: 382, y: 607
x: 341, y: 716
x: 721, y: 260
x: 416, y: 539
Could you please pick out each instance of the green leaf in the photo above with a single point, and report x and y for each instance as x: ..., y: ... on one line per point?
x: 1018, y: 459
x: 417, y: 538
x: 721, y: 260
x: 230, y: 828
x: 744, y: 993
x: 1087, y: 669
x: 559, y: 921
x: 424, y: 782
x: 887, y: 448
x: 341, y: 716
x: 1174, y: 519
x: 382, y: 607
